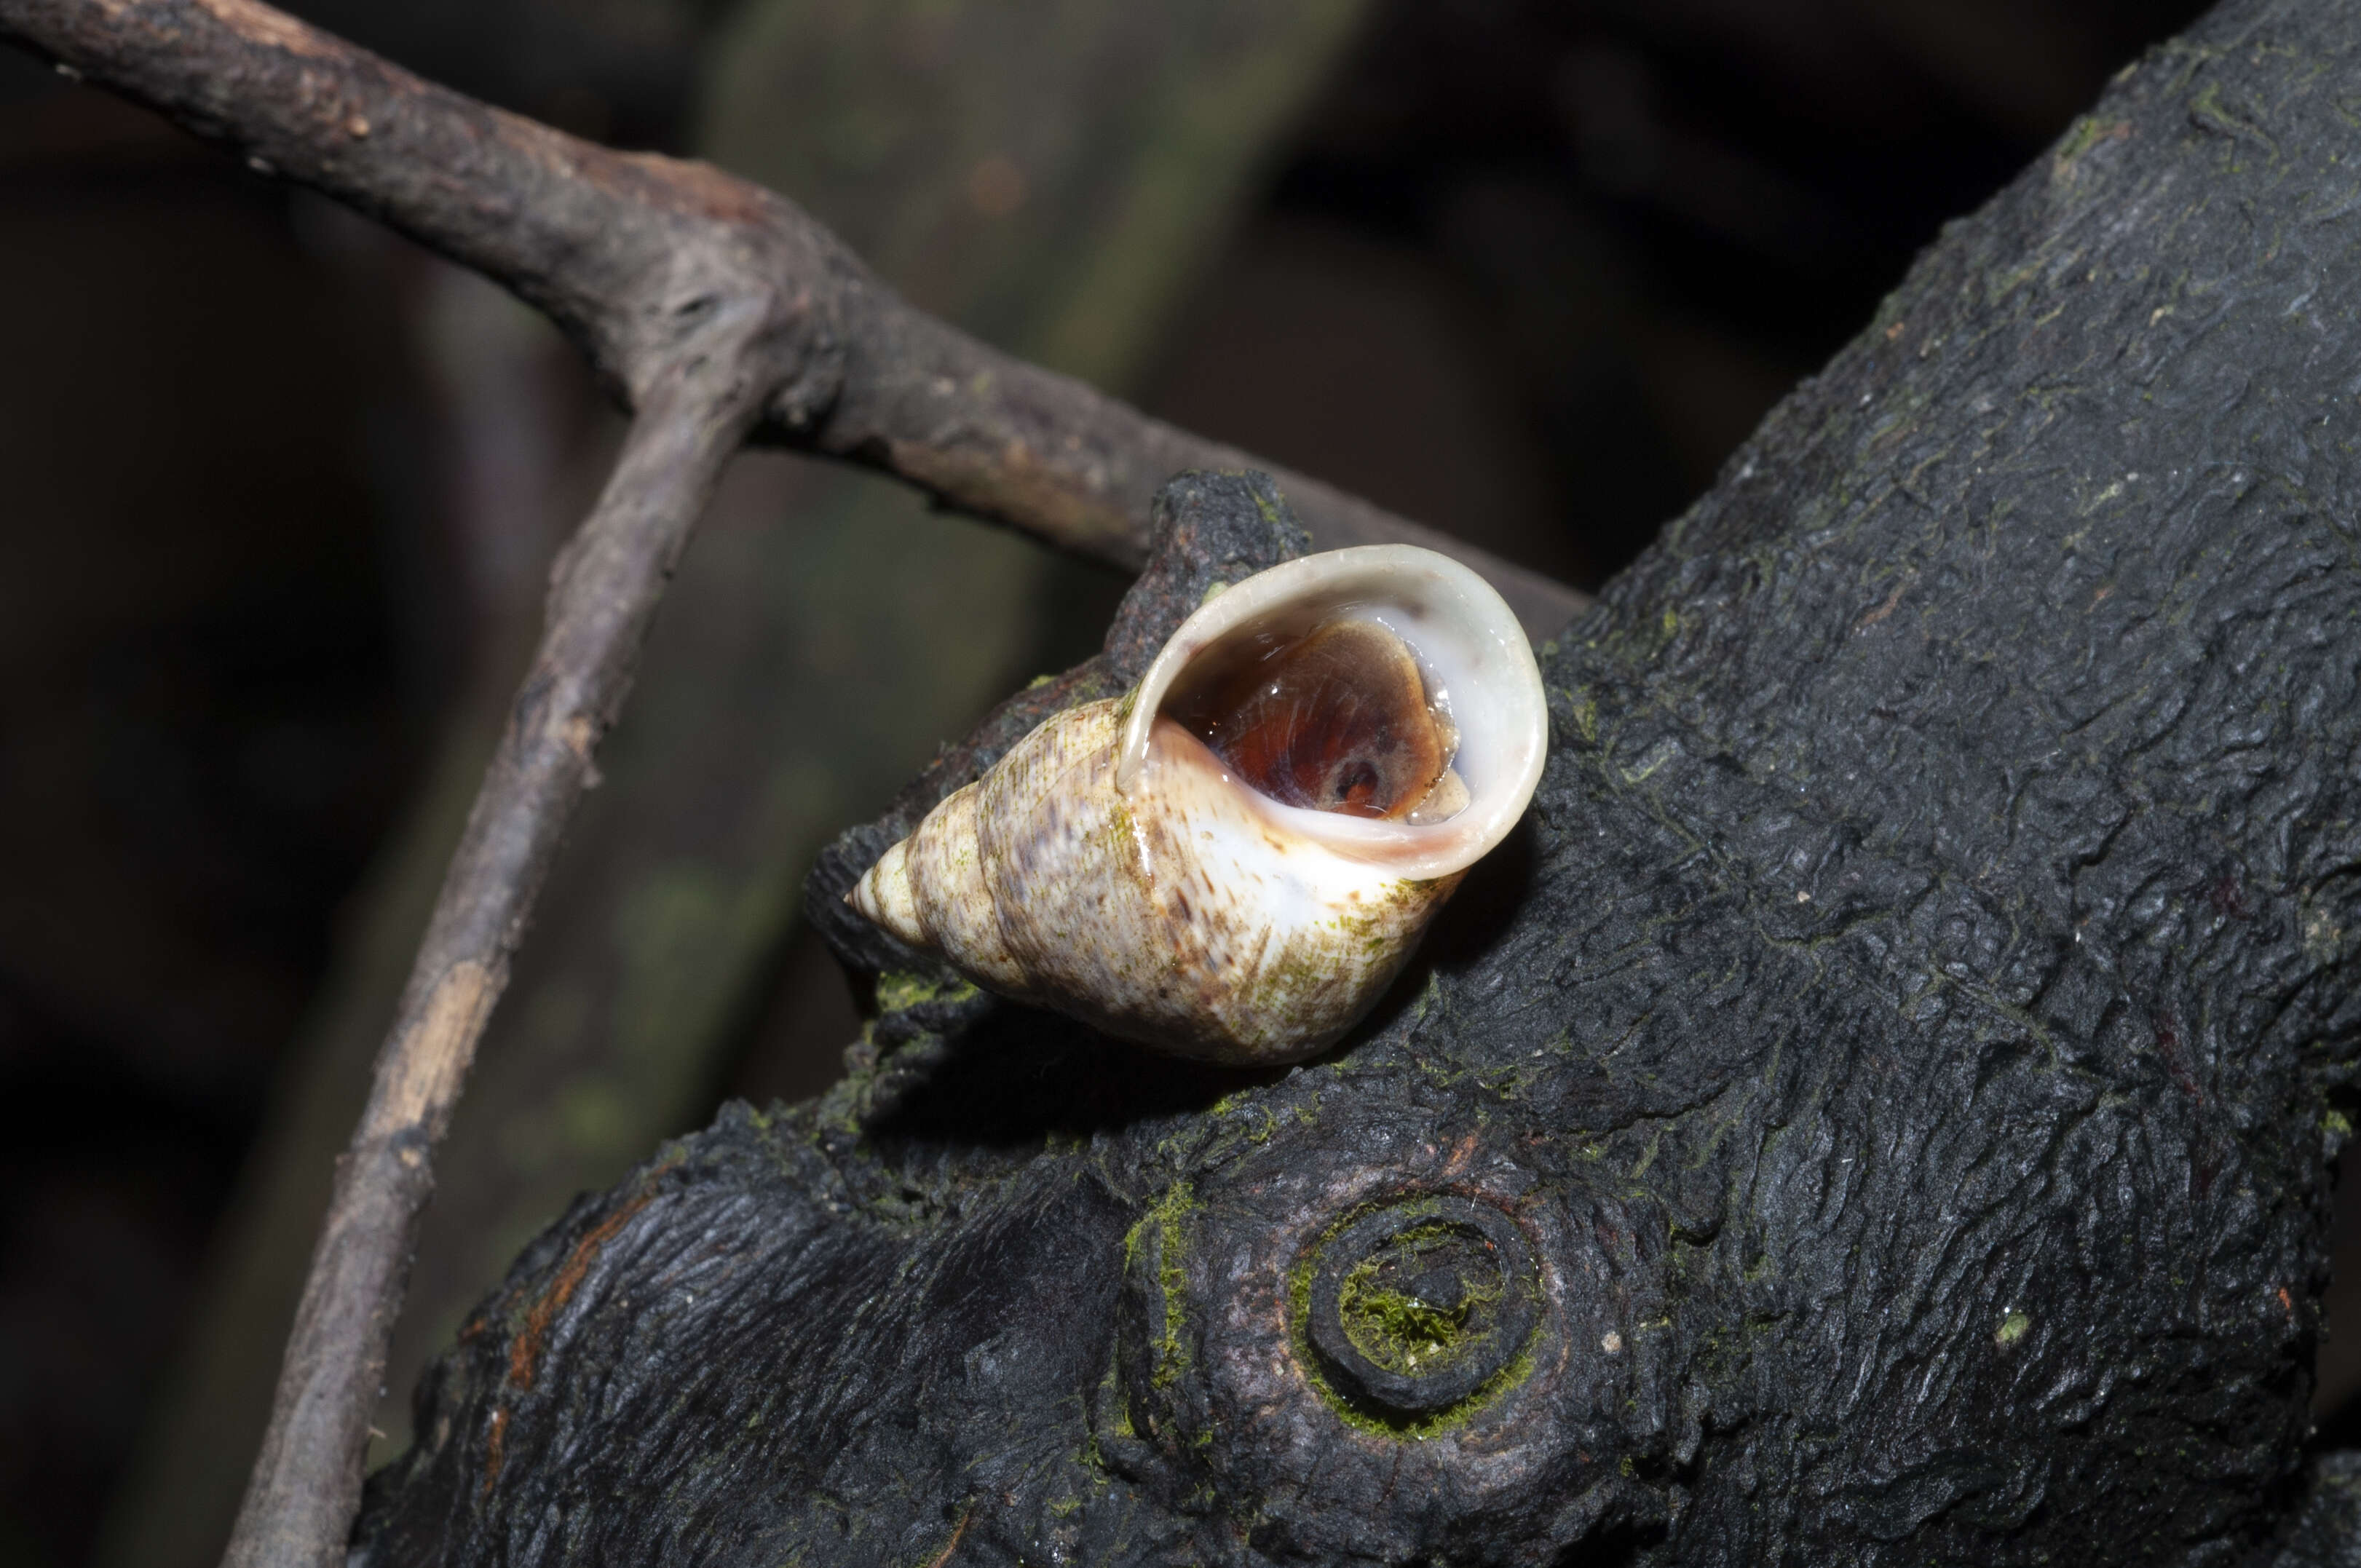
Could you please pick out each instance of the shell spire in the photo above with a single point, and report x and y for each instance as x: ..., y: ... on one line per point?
x: 1232, y: 860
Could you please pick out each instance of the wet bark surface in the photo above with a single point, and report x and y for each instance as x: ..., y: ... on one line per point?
x: 1878, y: 1111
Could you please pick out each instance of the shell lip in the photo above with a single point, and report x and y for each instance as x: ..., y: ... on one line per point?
x: 1429, y: 599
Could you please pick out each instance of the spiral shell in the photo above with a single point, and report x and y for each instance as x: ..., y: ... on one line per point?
x: 1232, y: 860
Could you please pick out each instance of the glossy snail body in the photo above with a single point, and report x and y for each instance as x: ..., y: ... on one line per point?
x: 1232, y: 860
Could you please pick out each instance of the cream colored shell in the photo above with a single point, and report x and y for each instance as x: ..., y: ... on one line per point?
x: 1110, y: 867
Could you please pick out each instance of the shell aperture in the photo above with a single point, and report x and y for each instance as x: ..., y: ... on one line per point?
x: 1233, y: 861
x: 1339, y: 719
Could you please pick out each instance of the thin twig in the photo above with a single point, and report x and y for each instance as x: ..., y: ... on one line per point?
x: 306, y: 1483
x: 572, y: 226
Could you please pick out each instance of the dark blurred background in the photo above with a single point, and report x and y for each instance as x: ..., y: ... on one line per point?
x: 278, y: 492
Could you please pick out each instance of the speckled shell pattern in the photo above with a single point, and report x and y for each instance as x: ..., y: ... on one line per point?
x: 1110, y: 866
x: 1184, y: 920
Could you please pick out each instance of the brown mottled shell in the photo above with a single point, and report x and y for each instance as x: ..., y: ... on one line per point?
x: 1234, y: 860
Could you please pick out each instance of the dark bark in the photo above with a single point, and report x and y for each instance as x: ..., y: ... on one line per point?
x: 1908, y: 1044
x: 620, y: 248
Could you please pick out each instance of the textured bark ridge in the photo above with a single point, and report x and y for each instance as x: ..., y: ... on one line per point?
x: 1878, y: 1112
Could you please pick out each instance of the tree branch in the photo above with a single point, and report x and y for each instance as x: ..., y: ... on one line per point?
x: 618, y: 246
x: 306, y: 1483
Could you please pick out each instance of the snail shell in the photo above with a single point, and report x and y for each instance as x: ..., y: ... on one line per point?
x: 1233, y: 860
